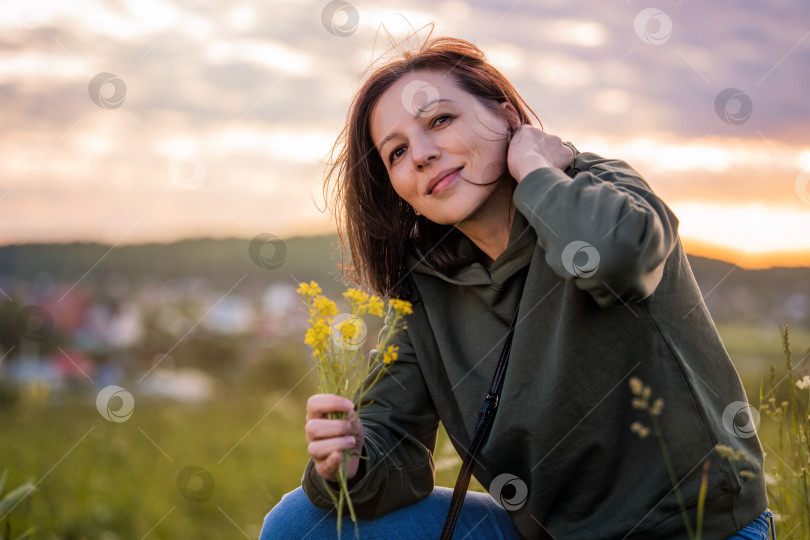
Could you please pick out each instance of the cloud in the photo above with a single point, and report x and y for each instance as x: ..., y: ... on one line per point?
x: 259, y: 93
x: 270, y: 54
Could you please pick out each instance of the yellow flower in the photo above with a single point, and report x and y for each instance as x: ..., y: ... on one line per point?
x: 355, y: 295
x: 358, y: 301
x: 390, y: 355
x: 348, y: 329
x: 308, y: 289
x: 317, y: 336
x: 324, y: 308
x: 336, y: 342
x: 375, y: 306
x: 403, y: 307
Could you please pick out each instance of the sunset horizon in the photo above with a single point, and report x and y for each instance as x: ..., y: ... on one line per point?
x: 219, y: 121
x: 751, y: 260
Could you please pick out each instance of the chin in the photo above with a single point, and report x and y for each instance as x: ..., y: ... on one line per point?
x: 458, y: 218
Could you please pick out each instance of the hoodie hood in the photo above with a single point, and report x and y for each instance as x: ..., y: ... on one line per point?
x: 517, y: 255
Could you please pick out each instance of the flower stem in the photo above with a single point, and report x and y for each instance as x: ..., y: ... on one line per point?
x: 344, y: 490
x: 704, y: 482
x: 672, y: 476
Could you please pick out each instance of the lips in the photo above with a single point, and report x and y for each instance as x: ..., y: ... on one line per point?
x: 439, y: 177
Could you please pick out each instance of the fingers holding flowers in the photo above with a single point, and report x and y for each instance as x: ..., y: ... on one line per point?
x: 334, y: 432
x: 320, y: 405
x: 327, y: 438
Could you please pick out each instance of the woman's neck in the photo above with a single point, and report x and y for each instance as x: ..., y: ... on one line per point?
x: 490, y: 227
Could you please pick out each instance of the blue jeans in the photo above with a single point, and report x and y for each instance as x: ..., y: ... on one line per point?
x: 295, y: 518
x: 757, y: 529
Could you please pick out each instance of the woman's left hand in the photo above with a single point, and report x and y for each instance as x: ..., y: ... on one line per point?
x: 532, y: 148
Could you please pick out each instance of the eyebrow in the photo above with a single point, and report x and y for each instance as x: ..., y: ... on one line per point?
x: 397, y: 134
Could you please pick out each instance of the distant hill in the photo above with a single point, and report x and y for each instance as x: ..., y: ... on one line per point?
x: 768, y: 295
x: 781, y: 294
x: 222, y: 262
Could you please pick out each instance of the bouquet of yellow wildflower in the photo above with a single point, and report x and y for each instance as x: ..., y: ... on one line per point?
x: 336, y: 340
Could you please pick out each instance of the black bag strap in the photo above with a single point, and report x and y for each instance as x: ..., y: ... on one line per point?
x: 485, y: 419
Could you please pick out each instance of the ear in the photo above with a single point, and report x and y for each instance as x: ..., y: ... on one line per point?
x: 511, y: 115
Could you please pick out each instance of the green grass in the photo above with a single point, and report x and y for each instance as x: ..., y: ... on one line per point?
x: 97, y: 479
x: 755, y: 348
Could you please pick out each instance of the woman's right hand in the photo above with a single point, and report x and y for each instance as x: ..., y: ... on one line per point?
x: 326, y: 438
x: 531, y: 148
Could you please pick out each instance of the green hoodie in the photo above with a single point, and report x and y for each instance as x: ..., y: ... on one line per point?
x: 606, y: 294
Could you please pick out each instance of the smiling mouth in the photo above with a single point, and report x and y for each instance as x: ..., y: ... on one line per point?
x: 444, y: 182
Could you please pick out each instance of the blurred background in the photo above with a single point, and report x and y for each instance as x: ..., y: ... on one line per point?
x: 160, y: 200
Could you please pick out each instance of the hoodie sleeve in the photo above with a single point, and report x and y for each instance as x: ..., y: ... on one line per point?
x: 400, y: 423
x: 601, y: 225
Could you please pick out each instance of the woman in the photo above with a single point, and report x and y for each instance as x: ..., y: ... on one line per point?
x: 453, y: 199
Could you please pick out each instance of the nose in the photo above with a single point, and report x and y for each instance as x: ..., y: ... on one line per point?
x: 423, y: 150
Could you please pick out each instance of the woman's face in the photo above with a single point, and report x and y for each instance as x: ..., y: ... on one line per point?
x: 425, y: 125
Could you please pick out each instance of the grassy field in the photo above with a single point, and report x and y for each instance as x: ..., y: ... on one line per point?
x: 99, y: 479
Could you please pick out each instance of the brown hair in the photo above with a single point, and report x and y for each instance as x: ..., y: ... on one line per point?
x: 370, y: 216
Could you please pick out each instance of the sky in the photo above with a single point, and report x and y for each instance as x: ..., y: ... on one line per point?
x: 135, y: 121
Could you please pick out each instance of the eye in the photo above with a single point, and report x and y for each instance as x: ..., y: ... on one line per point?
x: 436, y: 121
x: 394, y: 154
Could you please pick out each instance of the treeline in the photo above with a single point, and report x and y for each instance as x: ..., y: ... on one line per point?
x: 730, y: 293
